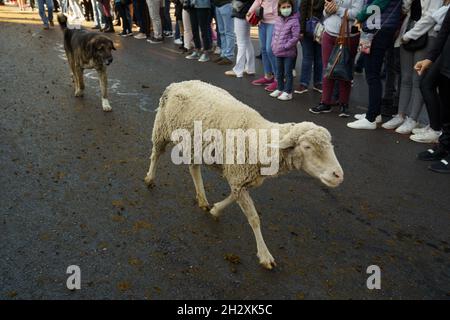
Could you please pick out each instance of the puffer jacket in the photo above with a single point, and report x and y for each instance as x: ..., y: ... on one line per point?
x: 285, y: 36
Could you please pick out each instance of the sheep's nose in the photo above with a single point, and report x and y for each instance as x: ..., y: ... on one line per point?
x: 336, y: 174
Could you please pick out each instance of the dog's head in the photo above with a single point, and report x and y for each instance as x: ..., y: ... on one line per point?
x: 100, y: 49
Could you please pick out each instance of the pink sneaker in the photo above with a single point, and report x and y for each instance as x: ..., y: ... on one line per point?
x: 272, y: 87
x: 263, y: 81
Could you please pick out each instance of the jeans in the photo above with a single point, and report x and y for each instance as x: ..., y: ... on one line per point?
x: 139, y: 8
x: 284, y: 73
x: 438, y: 113
x: 45, y: 19
x: 64, y: 5
x: 167, y: 21
x: 200, y: 21
x: 226, y: 30
x: 97, y: 13
x: 382, y: 41
x: 312, y: 61
x: 328, y: 85
x: 265, y: 42
x: 393, y: 80
x: 245, y: 59
x: 153, y: 9
x: 411, y: 100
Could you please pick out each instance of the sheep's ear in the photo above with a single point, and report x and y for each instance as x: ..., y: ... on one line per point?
x: 284, y: 143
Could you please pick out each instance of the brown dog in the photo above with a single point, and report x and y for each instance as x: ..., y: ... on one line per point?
x: 87, y: 50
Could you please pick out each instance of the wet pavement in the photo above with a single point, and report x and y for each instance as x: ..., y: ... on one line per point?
x: 72, y: 193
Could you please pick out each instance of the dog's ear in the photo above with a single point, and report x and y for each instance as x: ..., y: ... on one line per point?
x: 91, y: 47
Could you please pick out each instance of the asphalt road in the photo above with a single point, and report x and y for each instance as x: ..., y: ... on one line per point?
x: 72, y: 193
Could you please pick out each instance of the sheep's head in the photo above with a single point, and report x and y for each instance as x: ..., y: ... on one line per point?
x: 308, y: 147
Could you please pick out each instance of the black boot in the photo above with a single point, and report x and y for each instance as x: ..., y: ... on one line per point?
x: 109, y: 25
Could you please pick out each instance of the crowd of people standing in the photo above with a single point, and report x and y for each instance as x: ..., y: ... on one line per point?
x: 404, y: 42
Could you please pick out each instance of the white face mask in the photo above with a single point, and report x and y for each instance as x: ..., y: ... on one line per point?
x: 286, y: 12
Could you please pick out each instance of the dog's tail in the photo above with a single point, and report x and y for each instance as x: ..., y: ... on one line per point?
x: 62, y: 20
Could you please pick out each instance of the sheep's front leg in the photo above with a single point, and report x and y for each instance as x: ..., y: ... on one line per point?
x: 196, y: 174
x: 218, y: 207
x: 104, y: 89
x: 246, y: 203
x: 150, y: 177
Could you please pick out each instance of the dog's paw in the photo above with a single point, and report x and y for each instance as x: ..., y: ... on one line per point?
x: 105, y: 105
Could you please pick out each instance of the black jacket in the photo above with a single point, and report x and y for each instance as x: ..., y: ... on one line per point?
x: 305, y: 11
x: 441, y: 47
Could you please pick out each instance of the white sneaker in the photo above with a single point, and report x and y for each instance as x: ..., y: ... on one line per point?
x: 217, y: 51
x: 395, y: 122
x: 178, y: 42
x: 421, y: 130
x: 203, y: 58
x: 378, y: 119
x: 407, y: 126
x: 195, y: 55
x: 140, y: 36
x: 428, y: 136
x: 275, y: 94
x: 285, y: 96
x: 362, y: 124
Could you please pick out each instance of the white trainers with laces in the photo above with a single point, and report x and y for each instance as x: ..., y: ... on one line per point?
x: 407, y: 127
x: 378, y: 119
x: 395, y: 122
x: 285, y: 96
x: 427, y: 136
x: 275, y: 94
x: 362, y: 124
x: 420, y: 130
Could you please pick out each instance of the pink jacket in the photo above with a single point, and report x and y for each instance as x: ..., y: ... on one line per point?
x: 270, y: 10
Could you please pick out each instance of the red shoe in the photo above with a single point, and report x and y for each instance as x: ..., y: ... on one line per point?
x: 272, y: 87
x: 262, y: 81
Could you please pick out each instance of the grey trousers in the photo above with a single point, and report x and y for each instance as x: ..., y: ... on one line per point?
x: 153, y: 9
x: 411, y: 102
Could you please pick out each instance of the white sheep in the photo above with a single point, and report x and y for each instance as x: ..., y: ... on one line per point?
x: 302, y: 145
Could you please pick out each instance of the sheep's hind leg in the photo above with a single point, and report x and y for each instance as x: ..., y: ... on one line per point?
x: 196, y: 174
x: 150, y: 177
x: 218, y: 207
x: 245, y: 202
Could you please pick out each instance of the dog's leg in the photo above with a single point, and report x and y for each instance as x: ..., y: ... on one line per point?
x: 104, y: 88
x: 79, y: 83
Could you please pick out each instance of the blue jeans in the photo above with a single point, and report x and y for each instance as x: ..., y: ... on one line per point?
x: 265, y: 43
x: 226, y: 30
x: 312, y: 60
x: 285, y: 67
x: 167, y: 21
x: 44, y: 17
x: 373, y: 63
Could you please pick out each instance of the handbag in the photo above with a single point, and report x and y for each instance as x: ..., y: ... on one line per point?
x: 418, y: 44
x: 256, y: 16
x: 340, y: 63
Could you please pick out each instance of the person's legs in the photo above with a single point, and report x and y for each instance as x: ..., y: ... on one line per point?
x: 345, y: 87
x: 121, y: 13
x: 270, y: 55
x: 240, y: 27
x: 318, y: 68
x: 167, y: 18
x: 288, y: 67
x: 407, y: 64
x: 203, y: 16
x: 97, y: 13
x: 308, y: 58
x: 267, y: 65
x: 195, y: 28
x: 428, y: 86
x: 328, y: 43
x: 42, y: 12
x: 153, y: 9
x: 188, y: 35
x: 220, y: 21
x: 280, y: 75
x: 138, y: 14
x: 227, y: 36
x: 373, y: 64
x: 444, y: 94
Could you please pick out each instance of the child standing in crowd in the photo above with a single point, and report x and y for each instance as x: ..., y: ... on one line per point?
x: 284, y: 46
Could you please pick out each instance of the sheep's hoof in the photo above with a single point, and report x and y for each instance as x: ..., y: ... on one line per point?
x: 149, y: 182
x: 205, y: 207
x: 79, y: 94
x: 215, y: 213
x: 267, y: 261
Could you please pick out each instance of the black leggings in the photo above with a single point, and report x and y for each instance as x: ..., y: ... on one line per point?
x: 200, y: 21
x: 437, y: 112
x: 444, y: 94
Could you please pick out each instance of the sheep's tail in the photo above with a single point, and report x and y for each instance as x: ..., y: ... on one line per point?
x: 62, y: 20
